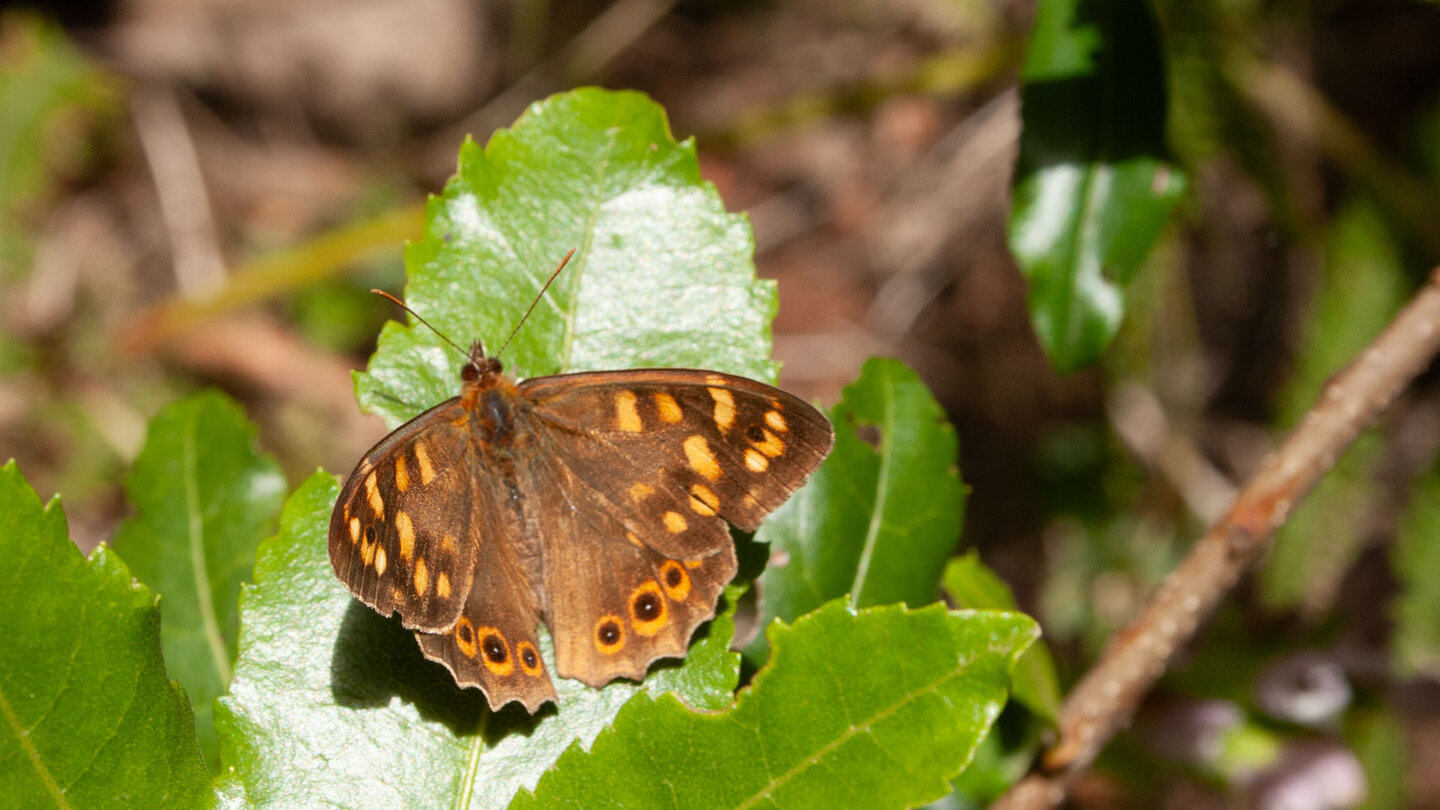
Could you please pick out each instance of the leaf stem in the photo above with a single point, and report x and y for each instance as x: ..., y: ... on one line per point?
x: 198, y: 565
x: 882, y: 494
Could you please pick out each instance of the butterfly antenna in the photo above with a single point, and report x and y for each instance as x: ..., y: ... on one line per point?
x: 534, y: 303
x: 397, y: 302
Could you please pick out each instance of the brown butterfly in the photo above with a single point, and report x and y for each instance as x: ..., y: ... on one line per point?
x: 595, y: 502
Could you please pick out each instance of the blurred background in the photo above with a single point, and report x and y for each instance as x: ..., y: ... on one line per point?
x: 202, y: 193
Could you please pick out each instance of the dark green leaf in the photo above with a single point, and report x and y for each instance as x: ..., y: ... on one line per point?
x: 875, y: 709
x: 1363, y: 287
x: 87, y: 716
x: 204, y: 496
x: 663, y: 275
x: 1093, y: 187
x: 882, y: 514
x: 971, y: 584
x: 332, y: 704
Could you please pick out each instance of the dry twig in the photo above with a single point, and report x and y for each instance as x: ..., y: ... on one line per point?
x: 1108, y: 695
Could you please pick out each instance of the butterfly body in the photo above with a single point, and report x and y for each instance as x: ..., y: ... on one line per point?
x: 593, y: 502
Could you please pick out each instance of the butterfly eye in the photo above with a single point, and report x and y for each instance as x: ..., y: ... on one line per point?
x: 647, y: 609
x: 609, y: 637
x: 529, y: 658
x: 495, y: 650
x: 677, y: 582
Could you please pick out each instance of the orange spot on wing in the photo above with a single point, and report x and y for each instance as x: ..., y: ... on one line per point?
x: 422, y: 459
x: 675, y: 581
x: 776, y: 421
x: 701, y: 458
x: 755, y: 461
x: 402, y: 474
x: 627, y: 417
x: 530, y: 662
x: 703, y: 500
x: 668, y: 408
x: 406, y: 530
x: 464, y: 633
x: 609, y: 635
x: 724, y: 408
x: 648, y: 611
x: 494, y: 651
x: 675, y: 522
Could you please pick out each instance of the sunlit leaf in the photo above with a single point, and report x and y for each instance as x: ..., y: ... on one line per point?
x: 878, y: 708
x: 89, y: 717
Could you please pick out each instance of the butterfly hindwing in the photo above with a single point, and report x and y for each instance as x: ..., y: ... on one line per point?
x: 615, y: 604
x: 493, y: 644
x: 401, y: 532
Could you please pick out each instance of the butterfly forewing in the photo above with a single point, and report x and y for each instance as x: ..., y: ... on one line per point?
x: 706, y: 441
x: 402, y: 532
x: 641, y: 470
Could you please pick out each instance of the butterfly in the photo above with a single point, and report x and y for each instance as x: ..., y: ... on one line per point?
x: 594, y: 502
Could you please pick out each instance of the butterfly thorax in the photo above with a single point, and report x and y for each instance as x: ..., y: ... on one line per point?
x: 489, y: 397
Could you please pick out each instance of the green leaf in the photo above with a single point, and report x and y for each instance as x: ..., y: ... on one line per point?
x: 333, y: 704
x: 876, y: 521
x: 87, y: 716
x: 1093, y: 187
x: 878, y: 708
x: 971, y: 584
x: 204, y: 496
x: 1363, y: 287
x: 663, y: 276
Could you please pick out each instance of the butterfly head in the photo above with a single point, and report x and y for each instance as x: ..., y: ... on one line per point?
x: 479, y: 365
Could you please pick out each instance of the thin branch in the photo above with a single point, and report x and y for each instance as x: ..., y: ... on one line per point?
x: 180, y: 187
x: 1106, y: 698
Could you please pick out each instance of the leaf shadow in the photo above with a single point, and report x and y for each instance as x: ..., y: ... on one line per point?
x: 375, y: 660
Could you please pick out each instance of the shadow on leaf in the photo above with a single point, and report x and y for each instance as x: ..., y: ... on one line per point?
x: 375, y: 659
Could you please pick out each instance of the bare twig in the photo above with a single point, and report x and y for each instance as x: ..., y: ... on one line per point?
x: 609, y: 34
x: 1108, y: 695
x: 1139, y: 420
x: 318, y: 259
x: 180, y: 187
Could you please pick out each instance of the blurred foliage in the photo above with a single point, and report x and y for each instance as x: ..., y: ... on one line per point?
x: 51, y: 100
x: 1361, y: 289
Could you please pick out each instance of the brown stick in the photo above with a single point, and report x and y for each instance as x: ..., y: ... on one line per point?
x: 1106, y: 698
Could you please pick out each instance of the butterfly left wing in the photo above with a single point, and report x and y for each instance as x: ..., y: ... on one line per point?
x: 401, y: 531
x: 644, y: 467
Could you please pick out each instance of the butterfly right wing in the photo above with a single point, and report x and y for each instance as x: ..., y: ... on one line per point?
x: 404, y: 531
